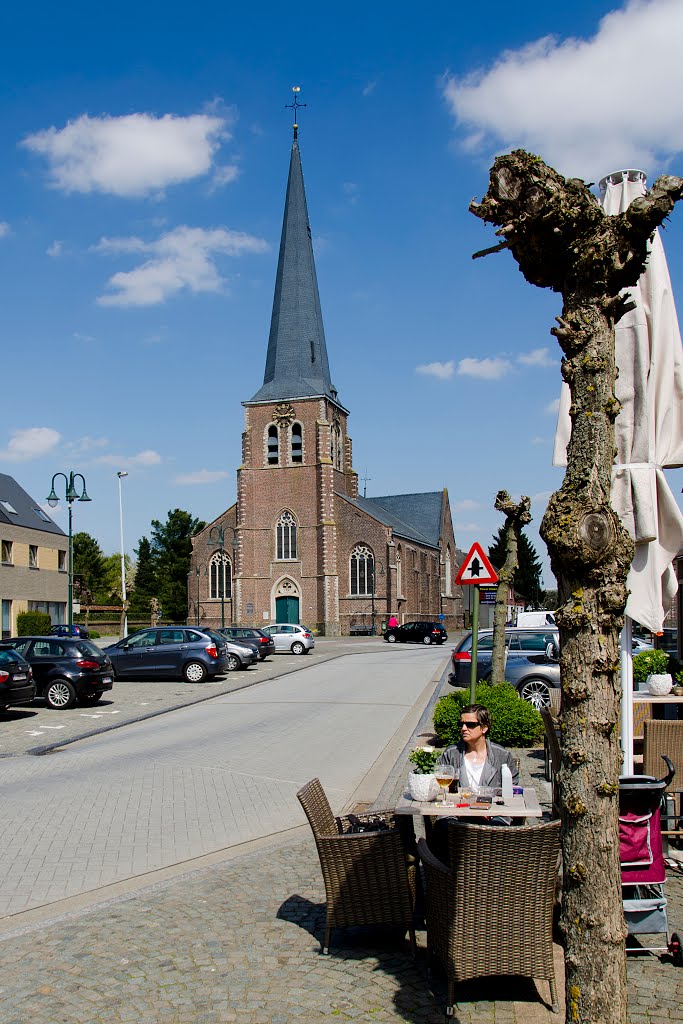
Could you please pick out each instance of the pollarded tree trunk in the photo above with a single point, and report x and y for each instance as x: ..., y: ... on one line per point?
x: 516, y: 516
x: 562, y: 239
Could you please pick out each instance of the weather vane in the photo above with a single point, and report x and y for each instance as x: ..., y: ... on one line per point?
x: 296, y: 89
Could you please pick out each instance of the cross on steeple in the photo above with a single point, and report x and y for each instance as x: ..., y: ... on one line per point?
x: 296, y: 89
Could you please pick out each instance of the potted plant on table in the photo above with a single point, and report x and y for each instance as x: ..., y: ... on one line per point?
x: 421, y: 780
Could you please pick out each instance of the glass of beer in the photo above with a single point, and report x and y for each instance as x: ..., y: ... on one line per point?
x: 444, y: 775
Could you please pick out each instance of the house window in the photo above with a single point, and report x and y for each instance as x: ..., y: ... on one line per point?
x: 297, y: 443
x: 286, y: 536
x: 220, y: 577
x: 7, y: 552
x: 273, y: 446
x: 362, y: 570
x: 33, y: 556
x: 61, y: 561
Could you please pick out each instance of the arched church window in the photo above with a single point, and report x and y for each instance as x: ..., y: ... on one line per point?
x: 362, y: 570
x: 273, y: 446
x: 447, y: 587
x: 220, y: 577
x: 297, y: 443
x: 286, y: 536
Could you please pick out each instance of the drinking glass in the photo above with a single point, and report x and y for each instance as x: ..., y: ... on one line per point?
x: 444, y: 775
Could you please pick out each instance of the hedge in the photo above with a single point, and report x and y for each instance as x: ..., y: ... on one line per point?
x: 515, y: 722
x: 33, y: 624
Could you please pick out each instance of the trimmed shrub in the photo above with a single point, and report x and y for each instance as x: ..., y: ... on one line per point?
x: 516, y: 723
x: 33, y: 624
x: 648, y: 663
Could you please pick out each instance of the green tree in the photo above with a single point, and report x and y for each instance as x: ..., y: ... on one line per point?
x: 90, y: 574
x: 145, y: 583
x: 527, y: 578
x: 171, y: 550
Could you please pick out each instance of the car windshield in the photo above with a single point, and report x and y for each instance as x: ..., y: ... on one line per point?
x: 87, y: 647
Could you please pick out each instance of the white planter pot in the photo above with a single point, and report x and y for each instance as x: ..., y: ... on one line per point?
x: 422, y: 787
x: 660, y: 684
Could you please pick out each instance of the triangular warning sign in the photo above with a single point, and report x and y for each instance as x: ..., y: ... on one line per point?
x: 476, y: 568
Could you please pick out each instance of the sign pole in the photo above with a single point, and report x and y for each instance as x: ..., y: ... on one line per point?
x: 475, y: 637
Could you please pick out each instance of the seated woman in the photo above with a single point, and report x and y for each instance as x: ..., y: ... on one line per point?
x: 477, y: 762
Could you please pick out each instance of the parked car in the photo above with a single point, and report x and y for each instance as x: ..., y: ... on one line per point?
x: 416, y: 633
x: 256, y: 638
x: 287, y: 637
x: 17, y: 685
x: 65, y: 670
x: 62, y: 629
x: 169, y: 651
x: 240, y: 655
x: 531, y: 665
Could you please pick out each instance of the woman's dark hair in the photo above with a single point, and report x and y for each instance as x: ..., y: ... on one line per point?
x: 483, y: 715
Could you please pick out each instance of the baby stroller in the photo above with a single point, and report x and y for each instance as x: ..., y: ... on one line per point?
x: 643, y: 871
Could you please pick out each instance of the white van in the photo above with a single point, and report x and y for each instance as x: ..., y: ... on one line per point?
x: 542, y: 618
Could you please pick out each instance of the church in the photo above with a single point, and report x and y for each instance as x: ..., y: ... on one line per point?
x: 300, y: 545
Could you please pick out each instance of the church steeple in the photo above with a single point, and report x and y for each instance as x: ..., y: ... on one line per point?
x: 296, y: 364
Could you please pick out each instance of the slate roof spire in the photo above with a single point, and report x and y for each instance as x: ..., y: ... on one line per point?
x: 296, y: 364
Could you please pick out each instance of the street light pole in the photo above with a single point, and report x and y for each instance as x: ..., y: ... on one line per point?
x: 70, y: 495
x: 120, y: 474
x: 372, y: 595
x: 219, y: 543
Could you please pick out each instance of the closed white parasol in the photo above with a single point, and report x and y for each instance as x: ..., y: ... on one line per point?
x: 649, y: 437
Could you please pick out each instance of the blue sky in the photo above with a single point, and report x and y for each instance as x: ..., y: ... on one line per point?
x: 145, y: 153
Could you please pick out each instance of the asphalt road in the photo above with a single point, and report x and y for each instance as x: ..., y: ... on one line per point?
x: 205, y: 778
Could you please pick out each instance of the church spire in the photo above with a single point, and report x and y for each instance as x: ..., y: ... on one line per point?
x: 296, y: 364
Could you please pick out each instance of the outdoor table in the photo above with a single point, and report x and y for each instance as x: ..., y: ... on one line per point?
x: 525, y: 805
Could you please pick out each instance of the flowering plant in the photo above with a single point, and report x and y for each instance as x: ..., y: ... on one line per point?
x: 424, y: 759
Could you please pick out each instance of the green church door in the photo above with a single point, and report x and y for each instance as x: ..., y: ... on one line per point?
x: 287, y: 610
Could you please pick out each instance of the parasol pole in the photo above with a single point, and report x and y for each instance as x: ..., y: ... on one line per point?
x: 626, y: 675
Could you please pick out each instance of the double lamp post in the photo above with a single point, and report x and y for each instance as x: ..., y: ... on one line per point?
x: 219, y: 543
x: 70, y: 495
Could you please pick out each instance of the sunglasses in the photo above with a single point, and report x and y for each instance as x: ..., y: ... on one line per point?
x: 469, y: 725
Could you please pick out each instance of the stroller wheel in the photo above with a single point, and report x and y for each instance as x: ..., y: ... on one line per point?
x: 676, y: 950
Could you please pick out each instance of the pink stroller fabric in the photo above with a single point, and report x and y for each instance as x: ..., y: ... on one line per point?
x: 640, y: 848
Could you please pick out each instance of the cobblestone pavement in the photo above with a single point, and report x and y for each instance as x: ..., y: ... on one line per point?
x: 31, y: 728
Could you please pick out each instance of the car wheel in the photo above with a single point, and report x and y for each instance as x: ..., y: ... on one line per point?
x: 426, y: 640
x: 536, y: 692
x: 233, y: 663
x: 60, y: 695
x: 298, y: 647
x: 391, y: 639
x: 194, y: 672
x: 90, y: 698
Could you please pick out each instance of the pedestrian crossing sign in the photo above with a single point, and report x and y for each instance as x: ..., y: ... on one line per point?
x: 476, y: 568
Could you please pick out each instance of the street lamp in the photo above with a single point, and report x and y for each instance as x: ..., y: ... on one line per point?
x: 70, y: 495
x: 219, y: 543
x: 372, y: 597
x: 198, y: 572
x: 120, y: 474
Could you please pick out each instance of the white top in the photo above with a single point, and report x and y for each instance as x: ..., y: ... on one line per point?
x: 473, y: 771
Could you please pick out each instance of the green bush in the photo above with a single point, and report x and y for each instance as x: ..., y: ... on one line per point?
x: 33, y: 623
x: 94, y: 635
x: 516, y: 723
x: 649, y: 663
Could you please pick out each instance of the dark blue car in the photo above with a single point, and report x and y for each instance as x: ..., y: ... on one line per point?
x: 63, y: 630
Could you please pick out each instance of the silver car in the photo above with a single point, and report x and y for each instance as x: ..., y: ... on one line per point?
x: 286, y: 637
x: 531, y: 665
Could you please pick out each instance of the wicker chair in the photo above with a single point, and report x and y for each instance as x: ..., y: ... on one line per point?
x: 491, y: 912
x: 551, y: 750
x: 666, y: 737
x: 369, y: 876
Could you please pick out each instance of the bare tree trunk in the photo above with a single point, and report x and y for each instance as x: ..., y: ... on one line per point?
x: 562, y: 239
x: 516, y: 516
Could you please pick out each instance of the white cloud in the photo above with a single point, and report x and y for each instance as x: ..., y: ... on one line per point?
x: 444, y: 371
x: 86, y: 444
x: 352, y: 192
x: 131, y: 155
x: 465, y: 505
x: 539, y: 440
x: 31, y: 443
x: 582, y: 104
x: 552, y: 408
x: 182, y: 258
x: 459, y: 527
x: 148, y: 457
x: 201, y: 476
x: 55, y: 249
x: 369, y: 88
x: 225, y: 175
x: 486, y: 369
x: 537, y: 357
x: 5, y: 229
x: 85, y: 339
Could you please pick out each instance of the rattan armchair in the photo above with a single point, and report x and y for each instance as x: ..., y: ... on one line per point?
x: 491, y: 911
x: 369, y: 876
x: 663, y: 736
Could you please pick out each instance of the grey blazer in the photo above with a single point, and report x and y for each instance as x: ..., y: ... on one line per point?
x: 496, y: 757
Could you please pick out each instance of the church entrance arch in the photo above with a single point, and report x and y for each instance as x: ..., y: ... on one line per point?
x: 287, y: 602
